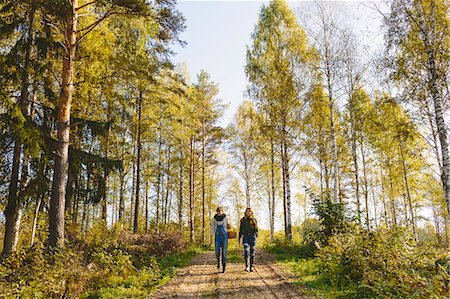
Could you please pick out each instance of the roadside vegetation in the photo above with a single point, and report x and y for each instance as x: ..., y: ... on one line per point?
x: 347, y: 261
x: 107, y: 264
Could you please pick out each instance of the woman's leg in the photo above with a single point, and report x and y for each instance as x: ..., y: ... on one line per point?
x: 246, y: 251
x: 224, y: 251
x: 217, y: 249
x: 252, y: 244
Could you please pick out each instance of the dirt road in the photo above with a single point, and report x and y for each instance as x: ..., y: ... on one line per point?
x: 202, y: 280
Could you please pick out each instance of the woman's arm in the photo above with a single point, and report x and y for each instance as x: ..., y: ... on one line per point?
x: 240, y: 231
x: 213, y: 227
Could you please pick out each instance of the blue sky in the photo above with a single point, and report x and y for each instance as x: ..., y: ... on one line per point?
x: 218, y: 32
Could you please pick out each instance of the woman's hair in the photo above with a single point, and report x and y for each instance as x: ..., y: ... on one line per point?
x: 249, y: 209
x: 219, y: 209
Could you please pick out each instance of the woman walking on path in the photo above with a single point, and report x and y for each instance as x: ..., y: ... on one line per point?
x: 219, y: 226
x: 248, y: 230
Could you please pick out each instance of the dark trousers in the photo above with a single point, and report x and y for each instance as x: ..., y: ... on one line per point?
x: 249, y: 247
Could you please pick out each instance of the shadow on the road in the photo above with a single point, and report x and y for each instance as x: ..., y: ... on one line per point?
x: 279, y: 290
x: 234, y: 256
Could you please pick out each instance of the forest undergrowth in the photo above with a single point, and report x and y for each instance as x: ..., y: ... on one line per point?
x: 108, y: 263
x: 358, y: 263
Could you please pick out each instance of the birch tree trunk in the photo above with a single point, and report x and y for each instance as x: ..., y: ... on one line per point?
x: 180, y: 191
x: 283, y: 171
x: 138, y: 167
x: 366, y: 185
x: 36, y: 214
x: 355, y: 164
x: 146, y: 205
x: 272, y: 170
x: 429, y: 36
x: 191, y: 192
x: 408, y: 192
x: 203, y: 183
x: 288, y: 193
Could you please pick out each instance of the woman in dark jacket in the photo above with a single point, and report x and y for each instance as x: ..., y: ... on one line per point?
x: 248, y: 230
x: 219, y: 226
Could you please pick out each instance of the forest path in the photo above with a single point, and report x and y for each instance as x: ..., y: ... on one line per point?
x: 201, y: 279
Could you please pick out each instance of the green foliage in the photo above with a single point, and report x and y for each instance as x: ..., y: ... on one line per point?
x: 286, y: 251
x: 110, y: 263
x: 385, y: 264
x: 334, y: 218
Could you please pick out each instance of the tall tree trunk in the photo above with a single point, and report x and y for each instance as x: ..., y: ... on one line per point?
x: 12, y: 209
x: 246, y: 177
x: 138, y: 167
x: 335, y: 161
x: 114, y: 202
x: 158, y: 178
x: 375, y: 219
x: 391, y: 196
x: 333, y: 136
x: 442, y: 131
x: 283, y: 171
x: 366, y: 185
x: 168, y: 188
x: 133, y: 187
x: 203, y: 183
x: 121, y: 196
x: 146, y: 204
x: 408, y: 192
x: 12, y: 212
x: 326, y: 172
x: 35, y: 219
x: 383, y: 192
x: 180, y: 191
x: 355, y: 165
x: 169, y: 207
x: 76, y: 201
x: 321, y: 170
x: 69, y: 195
x: 437, y: 224
x: 191, y: 192
x: 56, y: 217
x: 104, y: 201
x: 435, y: 139
x: 433, y: 86
x: 272, y: 177
x: 288, y: 193
x: 163, y: 197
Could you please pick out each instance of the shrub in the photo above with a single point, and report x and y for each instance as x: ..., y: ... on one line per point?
x: 387, y: 263
x: 109, y: 263
x: 334, y: 218
x: 165, y: 242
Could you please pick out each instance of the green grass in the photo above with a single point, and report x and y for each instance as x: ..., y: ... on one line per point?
x: 307, y: 270
x: 145, y: 280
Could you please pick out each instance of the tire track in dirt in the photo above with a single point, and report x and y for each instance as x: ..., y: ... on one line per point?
x: 201, y: 279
